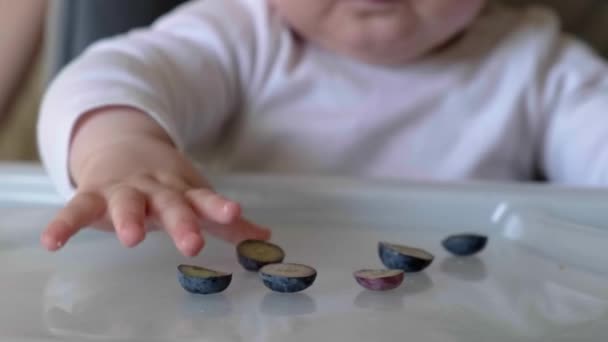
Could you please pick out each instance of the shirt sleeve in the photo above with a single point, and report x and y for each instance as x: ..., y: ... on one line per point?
x: 185, y: 71
x: 575, y: 100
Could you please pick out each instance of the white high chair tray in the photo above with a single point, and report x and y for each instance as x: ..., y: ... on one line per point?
x: 540, y: 278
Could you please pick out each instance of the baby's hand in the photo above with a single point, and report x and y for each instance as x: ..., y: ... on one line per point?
x: 181, y: 206
x: 147, y: 184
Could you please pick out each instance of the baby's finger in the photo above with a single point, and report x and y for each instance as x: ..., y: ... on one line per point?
x: 127, y: 208
x: 209, y: 205
x: 238, y: 231
x: 82, y: 210
x: 179, y: 220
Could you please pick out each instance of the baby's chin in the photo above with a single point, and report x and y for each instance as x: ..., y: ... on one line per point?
x: 389, y: 53
x: 387, y: 43
x: 383, y: 58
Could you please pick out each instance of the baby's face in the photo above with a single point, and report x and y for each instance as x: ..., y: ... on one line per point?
x: 379, y: 31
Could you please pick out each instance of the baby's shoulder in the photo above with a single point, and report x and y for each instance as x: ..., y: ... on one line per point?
x: 241, y: 15
x: 506, y: 24
x: 523, y: 36
x: 534, y: 15
x: 245, y: 26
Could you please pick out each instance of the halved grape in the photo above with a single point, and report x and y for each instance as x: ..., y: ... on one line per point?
x: 408, y: 259
x: 255, y: 254
x: 465, y: 244
x: 379, y: 279
x: 288, y: 278
x: 200, y: 280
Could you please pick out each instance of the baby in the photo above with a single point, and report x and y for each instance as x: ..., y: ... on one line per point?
x: 403, y: 89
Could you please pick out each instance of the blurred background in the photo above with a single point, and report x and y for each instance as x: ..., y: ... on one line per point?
x: 38, y: 37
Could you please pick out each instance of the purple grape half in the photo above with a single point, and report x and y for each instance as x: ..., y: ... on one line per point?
x: 465, y: 244
x: 288, y: 278
x: 255, y: 254
x: 379, y: 279
x: 407, y: 259
x: 200, y: 280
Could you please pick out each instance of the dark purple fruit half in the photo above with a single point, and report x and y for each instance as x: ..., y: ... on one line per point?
x: 465, y: 244
x: 380, y: 279
x: 288, y: 278
x: 255, y: 254
x: 199, y: 280
x: 407, y: 259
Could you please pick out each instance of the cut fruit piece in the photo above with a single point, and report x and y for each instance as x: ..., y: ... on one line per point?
x: 255, y: 254
x: 288, y: 278
x: 408, y: 259
x: 199, y: 280
x: 465, y: 244
x: 379, y: 280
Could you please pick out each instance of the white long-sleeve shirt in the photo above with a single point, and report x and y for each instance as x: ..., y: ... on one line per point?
x: 235, y: 89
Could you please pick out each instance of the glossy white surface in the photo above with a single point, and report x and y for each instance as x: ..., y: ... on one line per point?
x: 536, y: 280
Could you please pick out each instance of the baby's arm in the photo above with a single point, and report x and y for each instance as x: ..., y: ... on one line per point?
x: 114, y: 125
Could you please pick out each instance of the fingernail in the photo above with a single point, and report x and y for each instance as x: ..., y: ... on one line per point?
x: 190, y: 244
x: 230, y: 210
x: 131, y: 238
x: 50, y: 242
